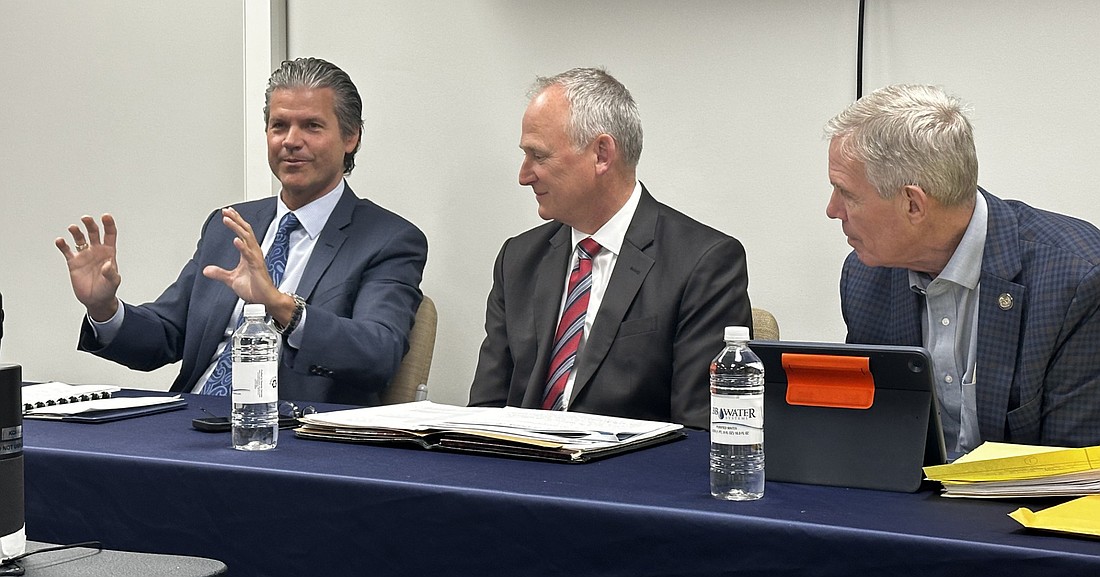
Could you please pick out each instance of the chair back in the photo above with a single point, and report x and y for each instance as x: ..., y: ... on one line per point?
x: 764, y: 325
x: 414, y: 368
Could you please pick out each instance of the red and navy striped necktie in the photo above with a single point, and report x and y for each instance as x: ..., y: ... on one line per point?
x: 571, y: 327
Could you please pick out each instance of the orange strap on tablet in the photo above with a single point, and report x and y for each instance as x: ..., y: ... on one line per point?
x: 829, y: 381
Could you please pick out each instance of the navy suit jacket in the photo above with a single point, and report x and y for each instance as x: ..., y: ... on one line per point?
x: 1038, y: 365
x: 361, y: 287
x: 676, y: 285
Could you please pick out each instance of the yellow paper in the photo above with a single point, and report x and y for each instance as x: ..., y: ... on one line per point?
x: 992, y: 450
x: 1079, y: 516
x: 1015, y: 462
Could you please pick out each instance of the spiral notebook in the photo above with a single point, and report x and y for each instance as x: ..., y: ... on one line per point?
x: 91, y: 403
x: 54, y: 393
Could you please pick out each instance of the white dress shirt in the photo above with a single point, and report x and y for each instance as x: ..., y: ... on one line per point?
x: 610, y: 236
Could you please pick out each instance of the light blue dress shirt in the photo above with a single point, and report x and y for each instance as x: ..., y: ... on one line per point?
x: 950, y: 329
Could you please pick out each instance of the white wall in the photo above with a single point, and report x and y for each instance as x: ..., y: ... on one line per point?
x: 732, y: 97
x: 135, y: 107
x: 130, y: 107
x: 1031, y: 72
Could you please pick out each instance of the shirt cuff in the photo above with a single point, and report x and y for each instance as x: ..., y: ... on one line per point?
x: 106, y: 331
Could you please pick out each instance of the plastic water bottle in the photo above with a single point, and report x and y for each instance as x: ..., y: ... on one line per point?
x: 255, y: 382
x: 737, y: 420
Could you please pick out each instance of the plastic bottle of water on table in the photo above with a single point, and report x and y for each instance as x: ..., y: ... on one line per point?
x: 737, y: 420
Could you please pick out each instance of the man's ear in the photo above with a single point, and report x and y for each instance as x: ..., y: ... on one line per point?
x: 917, y: 202
x: 606, y: 152
x: 351, y: 142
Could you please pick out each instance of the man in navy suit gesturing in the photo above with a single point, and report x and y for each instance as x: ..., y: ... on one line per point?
x: 1004, y: 296
x: 350, y: 288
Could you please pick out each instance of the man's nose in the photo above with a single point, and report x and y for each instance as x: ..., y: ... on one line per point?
x: 293, y: 138
x: 835, y: 207
x: 526, y: 175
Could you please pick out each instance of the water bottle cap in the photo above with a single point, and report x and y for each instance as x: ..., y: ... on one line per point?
x: 255, y: 310
x: 737, y: 333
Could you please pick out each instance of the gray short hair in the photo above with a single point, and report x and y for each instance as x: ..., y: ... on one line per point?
x: 598, y: 104
x: 908, y: 134
x: 317, y: 73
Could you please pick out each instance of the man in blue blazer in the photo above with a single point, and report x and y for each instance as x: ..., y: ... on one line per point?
x: 350, y: 290
x: 663, y: 286
x: 1004, y: 296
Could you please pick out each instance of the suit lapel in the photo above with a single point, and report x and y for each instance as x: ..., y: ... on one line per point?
x: 328, y: 244
x: 1001, y: 305
x: 548, y: 283
x: 631, y: 269
x: 905, y: 325
x: 222, y: 298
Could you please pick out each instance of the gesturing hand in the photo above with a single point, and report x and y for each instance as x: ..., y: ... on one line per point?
x: 93, y: 270
x: 249, y: 279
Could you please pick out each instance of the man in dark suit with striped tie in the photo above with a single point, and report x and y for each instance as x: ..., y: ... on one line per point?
x: 1005, y: 297
x: 618, y: 305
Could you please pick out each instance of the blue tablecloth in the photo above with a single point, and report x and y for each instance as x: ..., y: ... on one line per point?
x: 316, y: 508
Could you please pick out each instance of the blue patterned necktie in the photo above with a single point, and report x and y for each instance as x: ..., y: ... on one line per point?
x: 221, y: 379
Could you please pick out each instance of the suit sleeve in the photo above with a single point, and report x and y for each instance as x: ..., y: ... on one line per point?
x: 1070, y: 400
x: 152, y: 334
x: 367, y: 347
x: 494, y: 364
x: 716, y: 296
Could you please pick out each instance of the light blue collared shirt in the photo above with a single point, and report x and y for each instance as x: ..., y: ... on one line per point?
x: 950, y: 329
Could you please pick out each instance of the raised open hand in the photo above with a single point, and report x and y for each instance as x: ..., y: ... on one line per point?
x: 93, y: 269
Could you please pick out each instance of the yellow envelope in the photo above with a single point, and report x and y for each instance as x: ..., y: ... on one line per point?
x: 1079, y: 517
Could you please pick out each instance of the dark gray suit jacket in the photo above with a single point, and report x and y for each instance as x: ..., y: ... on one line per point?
x: 676, y: 285
x: 361, y: 286
x: 1038, y: 366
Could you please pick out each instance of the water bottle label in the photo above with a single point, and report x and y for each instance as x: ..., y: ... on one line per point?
x: 737, y: 420
x: 256, y: 382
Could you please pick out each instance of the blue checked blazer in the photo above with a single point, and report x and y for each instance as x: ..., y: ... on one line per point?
x: 1038, y: 366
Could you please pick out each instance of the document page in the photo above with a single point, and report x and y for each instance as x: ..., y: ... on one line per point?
x: 579, y: 430
x: 56, y: 393
x: 1000, y: 470
x: 110, y: 404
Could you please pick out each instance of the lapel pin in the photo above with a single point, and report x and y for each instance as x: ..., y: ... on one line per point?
x: 1004, y: 301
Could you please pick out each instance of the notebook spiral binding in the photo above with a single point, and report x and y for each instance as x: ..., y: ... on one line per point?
x: 66, y: 399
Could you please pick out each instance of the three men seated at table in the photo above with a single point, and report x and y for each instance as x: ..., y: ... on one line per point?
x: 617, y: 305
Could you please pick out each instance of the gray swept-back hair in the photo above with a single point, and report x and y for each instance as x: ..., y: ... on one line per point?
x: 598, y: 104
x: 316, y: 73
x: 909, y: 134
